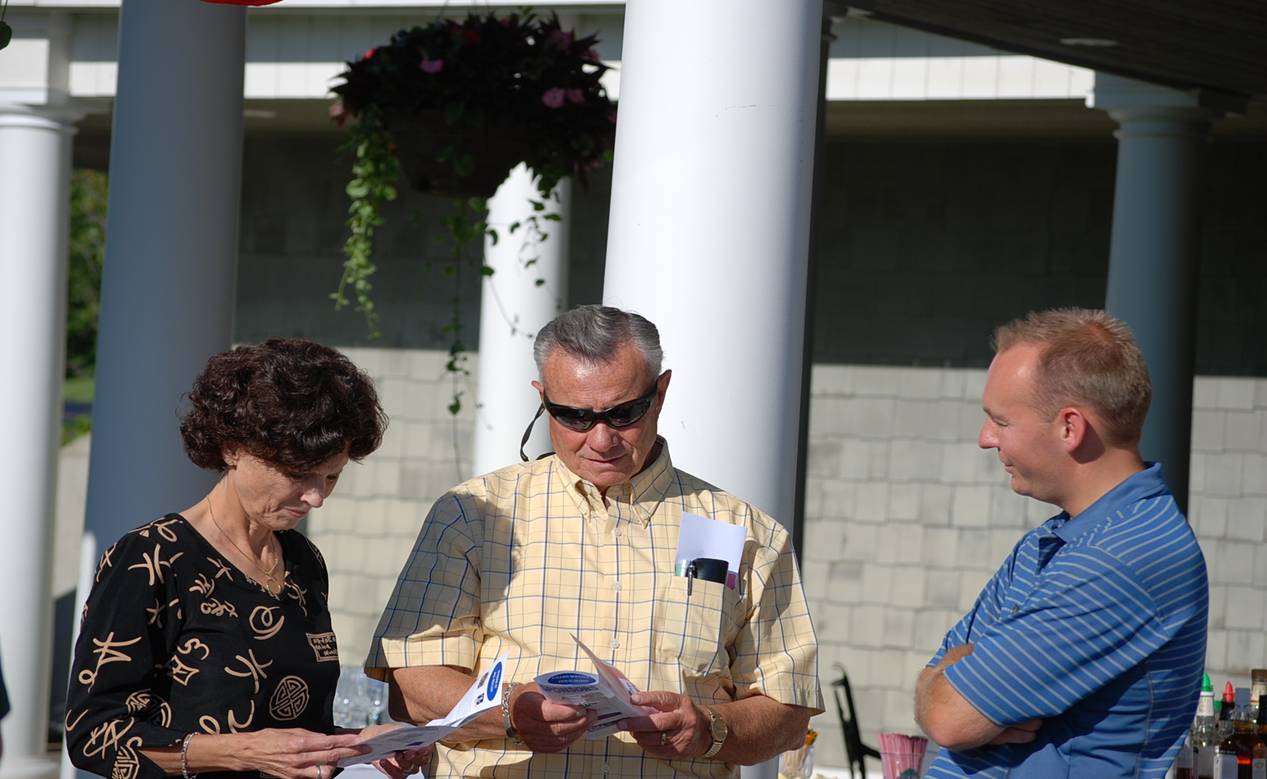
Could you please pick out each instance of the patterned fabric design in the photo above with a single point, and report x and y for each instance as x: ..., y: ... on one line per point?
x: 517, y: 561
x: 1097, y: 625
x: 175, y: 640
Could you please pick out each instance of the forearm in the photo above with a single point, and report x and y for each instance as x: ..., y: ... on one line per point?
x: 422, y: 694
x: 206, y: 752
x: 946, y: 716
x: 761, y: 728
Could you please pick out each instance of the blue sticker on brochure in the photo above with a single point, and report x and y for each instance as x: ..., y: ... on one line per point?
x: 572, y: 677
x: 494, y: 682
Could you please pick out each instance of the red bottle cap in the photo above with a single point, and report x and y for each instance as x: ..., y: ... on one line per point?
x: 1229, y: 693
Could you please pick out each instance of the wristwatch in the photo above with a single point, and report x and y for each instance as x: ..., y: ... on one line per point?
x: 718, y: 727
x: 512, y: 735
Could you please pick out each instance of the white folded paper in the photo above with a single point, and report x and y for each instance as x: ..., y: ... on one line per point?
x: 606, y: 692
x: 483, y: 695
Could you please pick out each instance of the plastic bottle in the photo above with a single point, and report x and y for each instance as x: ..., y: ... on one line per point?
x: 1233, y: 756
x: 1258, y: 746
x: 1203, y: 741
x: 1223, y: 723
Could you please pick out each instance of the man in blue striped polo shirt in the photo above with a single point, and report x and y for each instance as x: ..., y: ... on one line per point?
x: 1083, y: 655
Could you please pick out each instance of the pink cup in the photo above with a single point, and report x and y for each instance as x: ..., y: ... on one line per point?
x: 902, y: 765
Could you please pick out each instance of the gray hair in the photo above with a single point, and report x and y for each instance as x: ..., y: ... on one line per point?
x: 595, y: 333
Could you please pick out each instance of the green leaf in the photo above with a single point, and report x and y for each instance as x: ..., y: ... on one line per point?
x: 487, y: 270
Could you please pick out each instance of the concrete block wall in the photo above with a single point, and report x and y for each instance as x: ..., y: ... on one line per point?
x: 367, y: 527
x: 906, y: 519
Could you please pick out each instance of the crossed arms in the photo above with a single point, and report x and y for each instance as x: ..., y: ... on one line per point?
x: 954, y: 723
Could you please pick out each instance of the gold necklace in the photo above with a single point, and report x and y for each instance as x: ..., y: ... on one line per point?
x: 272, y: 586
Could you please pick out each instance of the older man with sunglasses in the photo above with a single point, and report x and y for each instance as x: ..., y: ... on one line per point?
x: 583, y: 543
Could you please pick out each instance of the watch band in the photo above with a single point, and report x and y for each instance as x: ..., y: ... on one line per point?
x: 507, y: 723
x: 716, y: 723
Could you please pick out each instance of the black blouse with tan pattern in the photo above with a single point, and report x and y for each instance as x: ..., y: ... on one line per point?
x: 177, y: 640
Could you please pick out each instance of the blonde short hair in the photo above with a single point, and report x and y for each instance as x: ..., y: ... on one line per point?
x: 1090, y: 357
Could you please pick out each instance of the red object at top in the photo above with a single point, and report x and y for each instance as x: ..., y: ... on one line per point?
x: 243, y: 2
x: 1229, y: 696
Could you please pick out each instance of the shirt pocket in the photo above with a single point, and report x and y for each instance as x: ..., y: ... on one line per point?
x: 694, y: 625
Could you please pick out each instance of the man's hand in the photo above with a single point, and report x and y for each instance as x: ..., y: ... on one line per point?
x: 678, y: 729
x: 954, y: 655
x: 400, y: 764
x: 545, y: 725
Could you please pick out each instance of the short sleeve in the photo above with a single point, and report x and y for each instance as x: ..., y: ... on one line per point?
x: 1087, y: 622
x: 433, y: 616
x: 130, y: 619
x: 776, y: 652
x: 983, y: 613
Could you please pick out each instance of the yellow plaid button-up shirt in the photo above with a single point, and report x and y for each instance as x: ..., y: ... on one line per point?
x: 514, y: 561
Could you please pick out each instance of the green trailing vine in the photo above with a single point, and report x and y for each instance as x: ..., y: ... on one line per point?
x: 452, y: 106
x: 375, y: 171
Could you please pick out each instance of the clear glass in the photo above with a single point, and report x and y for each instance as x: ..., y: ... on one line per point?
x: 797, y: 763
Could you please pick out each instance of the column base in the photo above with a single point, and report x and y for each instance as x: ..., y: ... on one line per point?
x: 17, y: 767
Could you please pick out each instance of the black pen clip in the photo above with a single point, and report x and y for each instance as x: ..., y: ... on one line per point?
x: 690, y: 577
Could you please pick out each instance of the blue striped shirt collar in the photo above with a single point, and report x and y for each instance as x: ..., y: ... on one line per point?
x: 1145, y: 484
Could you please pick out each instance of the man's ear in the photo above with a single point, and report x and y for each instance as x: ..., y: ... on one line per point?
x: 541, y: 390
x: 1074, y: 427
x: 663, y: 388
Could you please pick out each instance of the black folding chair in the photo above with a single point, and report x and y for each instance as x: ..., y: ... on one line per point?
x: 855, y: 750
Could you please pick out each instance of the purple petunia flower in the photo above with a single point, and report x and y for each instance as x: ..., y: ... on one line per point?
x: 554, y: 97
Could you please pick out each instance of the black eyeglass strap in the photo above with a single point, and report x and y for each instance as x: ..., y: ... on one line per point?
x: 528, y: 432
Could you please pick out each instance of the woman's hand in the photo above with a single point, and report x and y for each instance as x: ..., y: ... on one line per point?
x: 295, y: 753
x: 400, y: 764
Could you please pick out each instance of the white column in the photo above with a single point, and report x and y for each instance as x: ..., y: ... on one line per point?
x: 171, y: 253
x: 34, y: 204
x: 1155, y: 249
x: 709, y: 227
x: 527, y: 289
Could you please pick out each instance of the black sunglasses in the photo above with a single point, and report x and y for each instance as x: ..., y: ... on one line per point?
x: 621, y: 415
x: 581, y: 420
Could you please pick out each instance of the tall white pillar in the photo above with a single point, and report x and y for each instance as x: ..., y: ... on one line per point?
x: 34, y: 204
x: 527, y: 289
x: 709, y: 227
x: 167, y: 294
x: 1154, y: 249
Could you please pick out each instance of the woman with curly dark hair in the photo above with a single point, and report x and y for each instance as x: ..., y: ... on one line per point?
x: 206, y: 645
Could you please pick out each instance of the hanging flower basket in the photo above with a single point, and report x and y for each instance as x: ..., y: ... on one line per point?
x: 481, y: 93
x: 441, y: 159
x: 456, y: 105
